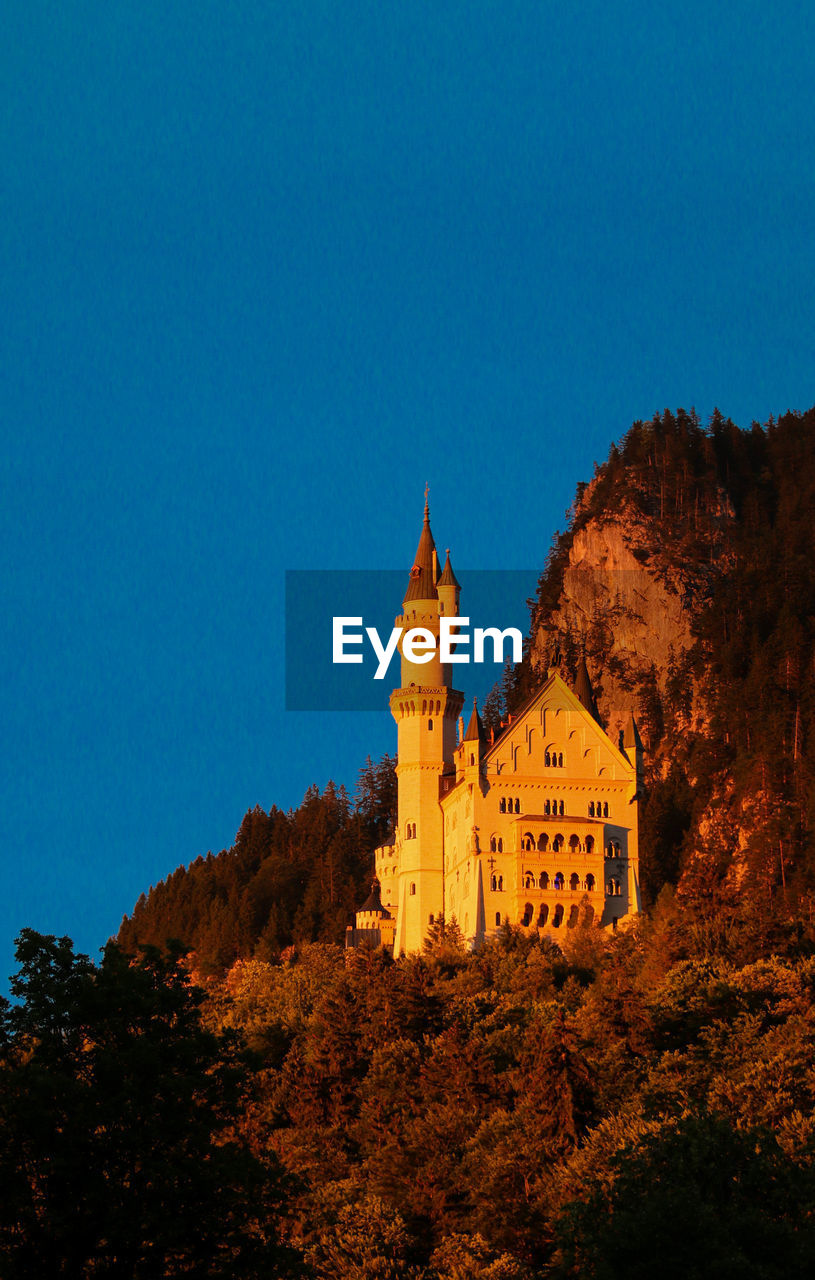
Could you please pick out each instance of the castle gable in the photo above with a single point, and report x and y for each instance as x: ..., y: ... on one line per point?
x: 555, y: 735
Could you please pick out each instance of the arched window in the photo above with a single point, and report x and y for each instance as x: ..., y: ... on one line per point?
x: 424, y: 706
x: 493, y: 844
x: 547, y: 809
x: 543, y: 841
x: 500, y: 884
x: 574, y: 882
x: 561, y: 808
x: 529, y: 841
x: 547, y: 760
x: 529, y: 880
x: 543, y: 915
x: 557, y: 843
x: 591, y: 808
x: 517, y: 806
x: 543, y: 883
x: 526, y: 918
x: 574, y: 844
x: 573, y: 914
x: 497, y: 917
x: 430, y: 724
x: 503, y: 805
x: 557, y: 918
x: 589, y: 844
x: 472, y: 757
x: 590, y: 883
x: 559, y: 881
x: 493, y: 882
x: 412, y: 889
x: 560, y: 759
x: 500, y: 845
x: 605, y: 810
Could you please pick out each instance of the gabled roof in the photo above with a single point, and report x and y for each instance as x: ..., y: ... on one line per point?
x: 555, y: 683
x: 422, y: 583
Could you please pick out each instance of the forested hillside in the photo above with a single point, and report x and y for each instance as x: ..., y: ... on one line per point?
x: 617, y: 1107
x: 686, y: 575
x: 292, y: 876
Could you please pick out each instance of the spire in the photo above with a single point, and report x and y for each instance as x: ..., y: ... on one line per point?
x: 583, y: 689
x: 448, y: 578
x: 475, y: 729
x: 422, y: 584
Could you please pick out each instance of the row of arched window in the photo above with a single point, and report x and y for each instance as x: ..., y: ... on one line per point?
x: 613, y: 849
x: 557, y: 916
x: 507, y: 803
x: 529, y: 844
x: 598, y: 810
x: 497, y: 883
x: 553, y: 759
x: 558, y: 881
x: 553, y: 807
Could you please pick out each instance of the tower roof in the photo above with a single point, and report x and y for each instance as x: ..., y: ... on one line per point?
x: 448, y: 578
x: 584, y: 691
x: 373, y: 903
x: 422, y: 584
x: 475, y: 729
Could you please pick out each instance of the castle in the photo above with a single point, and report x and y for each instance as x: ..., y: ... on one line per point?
x: 536, y: 826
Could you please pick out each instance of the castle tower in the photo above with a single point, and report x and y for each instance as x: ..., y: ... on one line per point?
x: 425, y: 708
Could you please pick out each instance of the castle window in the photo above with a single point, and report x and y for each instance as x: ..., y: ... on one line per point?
x: 529, y: 842
x: 561, y: 808
x: 589, y: 844
x: 560, y: 759
x: 557, y: 844
x: 543, y: 915
x: 543, y: 883
x: 500, y: 845
x: 517, y: 806
x: 590, y: 883
x: 430, y: 724
x: 543, y: 841
x: 503, y: 806
x: 529, y: 880
x: 500, y: 884
x: 573, y: 915
x: 493, y: 844
x: 498, y: 917
x: 557, y: 918
x: 574, y: 844
x: 472, y: 758
x: 591, y: 808
x: 547, y: 760
x: 493, y: 883
x: 605, y: 810
x: 526, y: 919
x: 559, y: 881
x: 574, y: 882
x: 412, y: 889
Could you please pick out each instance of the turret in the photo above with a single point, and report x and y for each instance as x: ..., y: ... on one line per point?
x: 449, y: 590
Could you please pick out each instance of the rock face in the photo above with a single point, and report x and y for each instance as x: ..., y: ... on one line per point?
x: 631, y: 603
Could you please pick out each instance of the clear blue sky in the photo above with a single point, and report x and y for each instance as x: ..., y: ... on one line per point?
x: 266, y: 269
